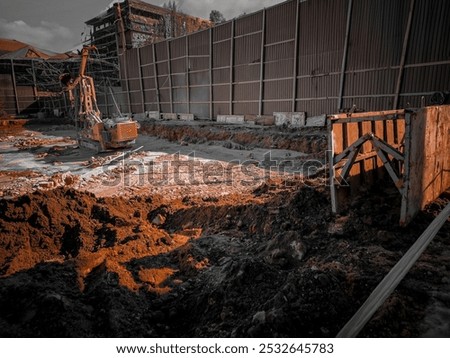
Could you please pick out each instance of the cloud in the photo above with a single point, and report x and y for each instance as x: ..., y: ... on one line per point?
x: 229, y: 8
x: 46, y: 35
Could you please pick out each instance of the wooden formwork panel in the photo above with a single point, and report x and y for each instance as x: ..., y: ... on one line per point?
x: 429, y: 159
x: 411, y: 146
x: 365, y: 167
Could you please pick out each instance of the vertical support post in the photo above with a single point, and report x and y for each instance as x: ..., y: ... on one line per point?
x: 295, y: 69
x: 334, y: 205
x: 345, y: 53
x: 35, y: 91
x: 124, y: 53
x: 13, y: 76
x: 105, y: 90
x: 231, y: 65
x: 127, y: 80
x: 65, y: 104
x: 403, y: 57
x: 170, y: 75
x: 155, y: 72
x: 141, y: 83
x: 406, y: 170
x: 188, y: 97
x: 33, y: 73
x: 261, y: 69
x: 210, y: 74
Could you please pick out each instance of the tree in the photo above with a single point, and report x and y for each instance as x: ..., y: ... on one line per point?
x: 170, y: 22
x: 171, y: 5
x: 216, y: 17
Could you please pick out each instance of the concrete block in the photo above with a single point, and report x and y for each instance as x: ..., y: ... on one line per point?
x: 230, y: 119
x: 282, y: 118
x: 298, y: 119
x: 153, y: 115
x: 186, y: 116
x: 169, y: 116
x: 317, y: 121
x: 250, y: 118
x: 140, y: 117
x: 265, y: 120
x: 290, y: 119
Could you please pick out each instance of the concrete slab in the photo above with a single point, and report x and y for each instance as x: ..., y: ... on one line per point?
x: 298, y: 119
x: 290, y: 119
x: 317, y: 121
x: 230, y: 119
x: 265, y: 120
x: 169, y: 116
x: 140, y: 117
x: 153, y: 115
x: 185, y: 116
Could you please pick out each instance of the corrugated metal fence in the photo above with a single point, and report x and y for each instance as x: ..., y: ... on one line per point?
x: 314, y: 56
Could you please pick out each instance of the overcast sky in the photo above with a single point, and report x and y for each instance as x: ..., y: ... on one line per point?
x: 57, y: 25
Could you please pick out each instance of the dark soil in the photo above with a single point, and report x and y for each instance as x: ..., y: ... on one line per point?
x: 272, y: 264
x: 305, y: 140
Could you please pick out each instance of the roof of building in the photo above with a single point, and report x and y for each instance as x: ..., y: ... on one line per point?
x: 13, y: 49
x: 7, y: 45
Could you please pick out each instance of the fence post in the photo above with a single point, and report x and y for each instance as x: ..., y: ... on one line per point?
x: 261, y: 70
x: 156, y: 78
x: 13, y: 76
x: 345, y: 53
x: 294, y: 79
x: 403, y: 58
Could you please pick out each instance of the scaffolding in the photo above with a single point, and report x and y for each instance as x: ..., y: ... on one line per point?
x: 31, y: 85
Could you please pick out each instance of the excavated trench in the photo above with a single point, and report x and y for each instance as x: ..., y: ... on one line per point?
x: 272, y: 263
x: 308, y: 140
x: 265, y: 261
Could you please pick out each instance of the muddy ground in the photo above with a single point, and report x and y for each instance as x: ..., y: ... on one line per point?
x: 267, y: 259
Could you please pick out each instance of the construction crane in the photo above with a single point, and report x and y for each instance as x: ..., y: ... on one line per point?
x: 92, y: 130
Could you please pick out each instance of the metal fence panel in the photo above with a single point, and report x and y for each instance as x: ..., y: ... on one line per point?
x: 328, y: 55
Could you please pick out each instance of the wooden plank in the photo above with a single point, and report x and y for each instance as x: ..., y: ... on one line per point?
x: 332, y: 173
x: 389, y: 136
x: 353, y: 134
x: 431, y: 172
x: 378, y: 143
x: 397, y: 112
x: 369, y: 163
x: 400, y: 124
x: 359, y: 142
x: 338, y: 144
x: 404, y: 215
x: 338, y: 138
x: 379, y: 132
x: 387, y: 164
x: 339, y: 187
x: 428, y: 162
x: 416, y: 159
x: 444, y: 156
x: 393, y: 278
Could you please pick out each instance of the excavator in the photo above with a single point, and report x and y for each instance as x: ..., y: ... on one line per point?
x: 93, y: 131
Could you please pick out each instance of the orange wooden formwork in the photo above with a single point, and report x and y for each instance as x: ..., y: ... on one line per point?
x: 411, y: 146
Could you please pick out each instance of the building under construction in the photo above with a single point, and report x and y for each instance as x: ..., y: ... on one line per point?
x: 134, y: 23
x: 29, y: 77
x: 291, y: 166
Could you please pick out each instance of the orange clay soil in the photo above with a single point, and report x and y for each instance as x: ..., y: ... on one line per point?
x: 271, y: 263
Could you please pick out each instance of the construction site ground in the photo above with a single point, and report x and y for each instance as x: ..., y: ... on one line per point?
x: 202, y: 230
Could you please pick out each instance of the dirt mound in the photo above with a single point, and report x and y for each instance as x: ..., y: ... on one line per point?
x: 275, y: 264
x: 307, y: 140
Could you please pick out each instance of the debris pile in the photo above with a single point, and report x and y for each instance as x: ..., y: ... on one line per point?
x: 261, y: 264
